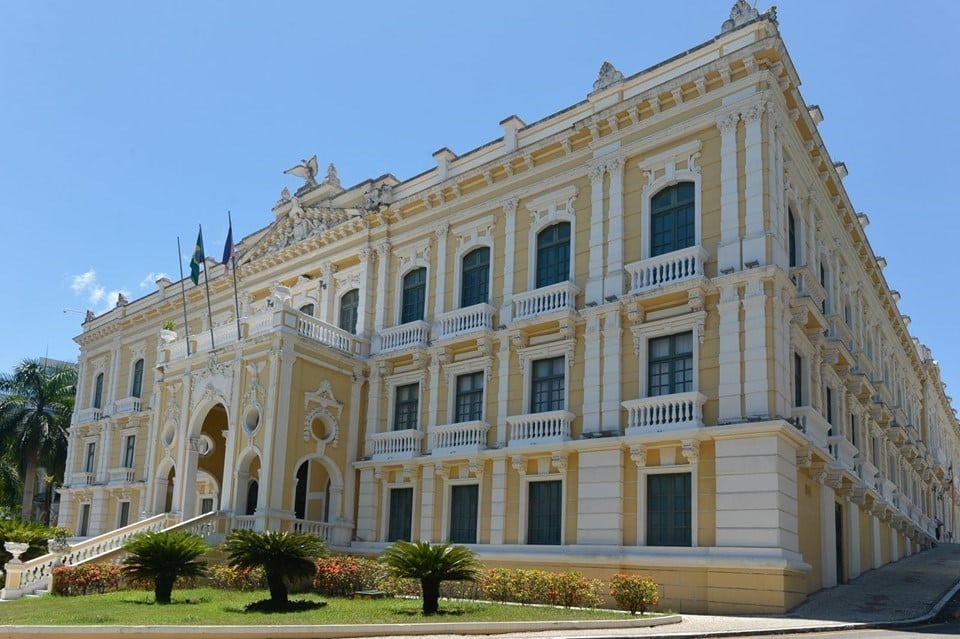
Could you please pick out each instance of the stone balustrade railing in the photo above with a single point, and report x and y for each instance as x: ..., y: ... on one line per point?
x: 404, y: 336
x: 540, y: 428
x: 120, y: 475
x: 548, y: 299
x: 86, y: 415
x: 127, y: 405
x: 461, y: 321
x: 812, y: 423
x: 458, y: 438
x: 664, y: 412
x: 662, y: 270
x: 395, y: 444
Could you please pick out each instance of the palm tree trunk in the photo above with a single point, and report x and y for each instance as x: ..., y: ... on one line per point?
x: 29, y: 484
x: 163, y: 588
x: 431, y: 595
x: 278, y: 588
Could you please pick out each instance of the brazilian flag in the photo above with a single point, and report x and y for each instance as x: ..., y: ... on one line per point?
x: 197, y: 259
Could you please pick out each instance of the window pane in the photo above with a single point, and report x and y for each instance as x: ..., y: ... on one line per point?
x: 469, y: 400
x: 98, y: 392
x: 670, y: 364
x: 349, y: 304
x: 547, y: 391
x: 463, y: 514
x: 672, y: 219
x: 414, y: 295
x: 137, y: 387
x: 669, y: 510
x: 307, y: 309
x: 406, y: 407
x: 544, y: 510
x: 553, y: 254
x: 475, y: 278
x: 401, y: 514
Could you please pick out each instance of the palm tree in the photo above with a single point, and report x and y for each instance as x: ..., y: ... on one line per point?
x: 34, y: 417
x: 163, y: 556
x: 432, y: 565
x: 283, y: 556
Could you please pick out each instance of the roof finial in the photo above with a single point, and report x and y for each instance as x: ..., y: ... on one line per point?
x: 740, y: 14
x: 608, y: 76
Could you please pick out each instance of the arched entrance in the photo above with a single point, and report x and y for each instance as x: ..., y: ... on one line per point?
x: 164, y: 487
x: 317, y: 492
x: 247, y: 488
x: 205, y: 455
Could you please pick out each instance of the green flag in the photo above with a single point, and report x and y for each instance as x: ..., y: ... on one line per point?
x: 197, y: 259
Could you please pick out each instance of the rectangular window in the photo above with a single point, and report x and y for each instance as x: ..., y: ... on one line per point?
x: 548, y: 384
x: 136, y: 389
x: 544, y: 512
x: 206, y: 505
x: 89, y: 459
x: 349, y: 309
x: 98, y: 391
x: 463, y: 514
x: 84, y: 528
x: 414, y: 300
x: 475, y: 278
x: 124, y: 517
x: 797, y: 380
x: 854, y: 438
x: 129, y: 449
x: 669, y: 510
x: 670, y: 365
x: 672, y: 219
x: 829, y: 408
x: 401, y: 514
x: 469, y: 397
x: 406, y: 406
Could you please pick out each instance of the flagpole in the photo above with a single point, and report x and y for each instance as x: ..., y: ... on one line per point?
x: 206, y: 283
x: 233, y: 260
x: 183, y: 295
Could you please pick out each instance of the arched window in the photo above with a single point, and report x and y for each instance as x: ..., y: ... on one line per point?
x: 98, y: 391
x: 475, y: 278
x: 349, y: 305
x: 553, y: 254
x: 414, y: 296
x: 308, y: 309
x: 792, y: 237
x: 672, y: 219
x: 253, y: 490
x: 136, y: 388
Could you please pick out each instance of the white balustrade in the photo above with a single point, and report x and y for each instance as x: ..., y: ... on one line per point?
x: 324, y: 333
x: 540, y: 428
x: 664, y: 412
x: 548, y: 299
x: 837, y: 329
x: 81, y: 479
x: 404, y: 336
x: 395, y: 444
x: 121, y: 475
x: 457, y: 438
x: 244, y: 522
x: 661, y: 270
x: 127, y: 405
x: 842, y: 450
x: 259, y: 323
x: 478, y: 317
x: 812, y: 423
x: 85, y: 415
x: 869, y: 476
x: 807, y: 284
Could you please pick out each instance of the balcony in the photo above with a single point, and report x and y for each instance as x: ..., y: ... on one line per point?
x: 82, y: 479
x: 409, y: 335
x: 395, y: 444
x: 85, y: 415
x: 807, y: 285
x: 548, y: 299
x: 465, y: 437
x: 462, y: 321
x: 813, y: 425
x: 127, y: 405
x: 540, y: 428
x: 659, y: 271
x: 327, y: 334
x: 837, y: 329
x: 843, y: 451
x: 664, y: 413
x: 120, y: 475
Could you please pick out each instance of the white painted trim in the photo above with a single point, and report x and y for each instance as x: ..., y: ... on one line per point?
x: 642, y: 473
x: 523, y: 513
x: 459, y: 255
x: 530, y: 354
x: 667, y: 162
x: 643, y: 333
x: 545, y: 211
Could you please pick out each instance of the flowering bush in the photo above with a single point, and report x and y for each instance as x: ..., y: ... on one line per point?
x: 244, y: 579
x: 538, y: 586
x: 343, y: 575
x: 571, y: 589
x: 85, y: 579
x: 634, y: 592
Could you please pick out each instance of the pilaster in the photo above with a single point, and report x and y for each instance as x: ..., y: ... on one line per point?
x: 510, y: 217
x: 728, y: 251
x: 594, y: 289
x: 592, y: 381
x: 755, y: 356
x: 498, y: 501
x: 600, y: 497
x: 612, y: 337
x: 613, y: 280
x: 441, y: 279
x: 427, y: 500
x: 729, y: 387
x: 754, y: 241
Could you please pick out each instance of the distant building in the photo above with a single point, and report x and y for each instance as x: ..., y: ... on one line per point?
x: 646, y: 333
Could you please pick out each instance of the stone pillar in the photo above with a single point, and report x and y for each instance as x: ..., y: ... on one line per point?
x: 852, y: 512
x: 374, y: 404
x: 441, y: 279
x: 326, y: 307
x: 112, y: 382
x: 510, y: 216
x: 594, y: 290
x: 894, y: 545
x: 600, y: 498
x: 755, y: 384
x: 367, y: 288
x: 503, y: 390
x: 106, y: 435
x: 828, y: 537
x: 875, y: 541
x: 613, y: 281
x: 729, y: 388
x: 436, y: 361
x: 353, y: 445
x: 366, y: 506
x: 428, y: 499
x: 756, y: 480
x: 382, y: 288
x: 498, y: 501
x: 754, y: 241
x: 783, y: 354
x: 728, y: 251
x: 610, y: 409
x: 592, y: 382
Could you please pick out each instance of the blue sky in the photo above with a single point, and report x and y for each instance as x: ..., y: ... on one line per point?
x: 125, y: 124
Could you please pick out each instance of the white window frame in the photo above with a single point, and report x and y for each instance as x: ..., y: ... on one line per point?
x: 523, y: 513
x: 403, y: 379
x: 124, y: 434
x: 137, y: 356
x: 667, y: 162
x: 530, y: 354
x: 692, y: 322
x: 474, y: 365
x: 446, y: 510
x: 412, y: 265
x: 672, y: 469
x: 120, y: 503
x: 547, y: 210
x: 385, y: 510
x: 86, y: 446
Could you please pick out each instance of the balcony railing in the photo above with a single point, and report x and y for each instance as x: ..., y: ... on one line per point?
x: 459, y: 438
x: 548, y: 299
x: 461, y: 321
x: 812, y: 424
x: 81, y: 479
x: 843, y: 451
x: 837, y: 329
x: 540, y: 428
x: 395, y: 444
x: 404, y: 336
x: 807, y: 284
x: 664, y: 412
x: 127, y: 405
x: 120, y: 475
x: 85, y: 415
x: 869, y: 476
x: 325, y: 333
x: 661, y: 270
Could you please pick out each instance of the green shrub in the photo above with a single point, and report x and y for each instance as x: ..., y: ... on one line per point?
x: 85, y: 579
x: 432, y: 564
x: 573, y: 590
x: 243, y: 579
x: 634, y: 592
x: 162, y: 557
x: 514, y: 585
x: 343, y: 575
x: 25, y: 532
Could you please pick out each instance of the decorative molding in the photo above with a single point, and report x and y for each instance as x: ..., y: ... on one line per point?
x: 325, y: 407
x: 607, y: 77
x: 691, y: 450
x: 638, y: 454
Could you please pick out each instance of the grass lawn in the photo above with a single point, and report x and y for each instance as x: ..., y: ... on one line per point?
x: 211, y: 606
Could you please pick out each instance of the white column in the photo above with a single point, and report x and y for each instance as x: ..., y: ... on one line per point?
x: 106, y: 436
x: 875, y: 543
x: 374, y: 404
x: 592, y: 382
x: 427, y: 499
x: 894, y: 545
x: 728, y: 251
x: 271, y: 418
x: 113, y: 379
x: 613, y: 280
x: 353, y: 445
x: 610, y: 409
x: 326, y: 305
x: 729, y: 388
x: 510, y: 217
x: 503, y: 389
x: 783, y: 355
x: 382, y: 288
x: 828, y: 538
x: 600, y: 498
x: 367, y: 288
x: 754, y: 241
x: 434, y: 397
x: 498, y: 501
x: 441, y: 288
x: 755, y: 383
x: 230, y: 457
x: 98, y: 513
x: 594, y: 290
x: 853, y: 536
x: 366, y: 506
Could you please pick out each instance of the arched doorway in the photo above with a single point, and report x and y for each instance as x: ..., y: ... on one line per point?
x: 317, y: 489
x: 247, y: 489
x: 205, y: 455
x: 168, y: 493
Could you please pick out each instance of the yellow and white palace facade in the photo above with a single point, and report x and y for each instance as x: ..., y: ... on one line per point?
x: 647, y: 333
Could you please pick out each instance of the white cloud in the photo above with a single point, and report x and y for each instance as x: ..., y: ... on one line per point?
x: 83, y: 281
x: 150, y: 279
x: 86, y: 285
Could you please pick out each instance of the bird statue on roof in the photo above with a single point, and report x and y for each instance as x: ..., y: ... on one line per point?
x: 306, y: 170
